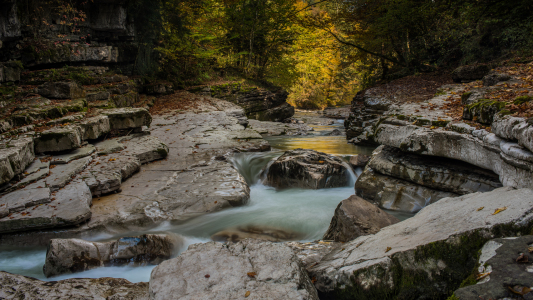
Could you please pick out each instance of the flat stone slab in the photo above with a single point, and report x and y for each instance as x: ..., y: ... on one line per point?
x: 15, y: 156
x: 63, y: 174
x: 251, y: 268
x: 21, y: 287
x: 105, y: 174
x: 59, y: 139
x: 146, y: 148
x: 70, y: 206
x: 198, y: 190
x: 108, y: 147
x: 267, y: 128
x: 73, y: 155
x: 61, y: 90
x: 127, y: 118
x: 499, y: 271
x: 438, y: 247
x: 20, y: 200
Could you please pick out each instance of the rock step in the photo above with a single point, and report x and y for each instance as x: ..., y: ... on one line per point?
x: 15, y: 156
x: 428, y: 254
x: 69, y: 206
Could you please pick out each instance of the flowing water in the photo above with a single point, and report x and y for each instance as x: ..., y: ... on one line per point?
x: 304, y: 212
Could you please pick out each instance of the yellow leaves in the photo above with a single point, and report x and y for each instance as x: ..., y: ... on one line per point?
x: 499, y: 210
x: 388, y: 249
x: 320, y: 161
x: 481, y: 208
x: 482, y: 275
x: 112, y: 159
x: 247, y: 294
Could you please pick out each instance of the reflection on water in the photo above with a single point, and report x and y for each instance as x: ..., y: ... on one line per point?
x: 335, y: 145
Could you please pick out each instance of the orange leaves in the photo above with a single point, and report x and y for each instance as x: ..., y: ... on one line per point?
x: 251, y: 274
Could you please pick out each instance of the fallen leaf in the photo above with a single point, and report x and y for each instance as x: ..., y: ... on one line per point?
x: 388, y: 249
x: 247, y: 294
x: 251, y: 274
x: 313, y: 280
x: 522, y: 258
x: 482, y: 275
x: 530, y: 249
x: 481, y: 208
x: 499, y: 210
x: 207, y: 276
x: 519, y: 290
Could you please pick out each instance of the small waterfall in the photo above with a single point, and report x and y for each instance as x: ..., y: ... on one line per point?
x: 250, y: 165
x: 352, y: 177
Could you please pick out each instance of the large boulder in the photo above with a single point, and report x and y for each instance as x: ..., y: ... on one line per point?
x: 74, y: 255
x: 396, y: 194
x: 359, y: 160
x: 127, y: 118
x: 69, y: 206
x: 95, y: 127
x: 429, y: 254
x: 61, y: 90
x: 440, y: 174
x: 355, y: 217
x: 470, y: 73
x: 59, y: 139
x: 21, y: 287
x: 309, y: 169
x: 504, y: 271
x: 248, y: 269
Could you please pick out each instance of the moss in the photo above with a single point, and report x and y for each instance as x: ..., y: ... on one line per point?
x: 440, y: 92
x: 422, y: 122
x: 465, y: 96
x: 522, y: 99
x: 483, y: 110
x: 401, y: 117
x: 439, y: 123
x: 453, y: 297
x: 162, y: 152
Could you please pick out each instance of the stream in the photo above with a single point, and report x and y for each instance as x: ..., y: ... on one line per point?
x: 305, y: 212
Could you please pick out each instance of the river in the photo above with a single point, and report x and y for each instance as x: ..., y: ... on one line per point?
x: 305, y: 212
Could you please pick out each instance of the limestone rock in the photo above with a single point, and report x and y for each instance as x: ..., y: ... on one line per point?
x: 64, y: 173
x: 22, y: 199
x: 494, y: 78
x: 395, y: 194
x: 513, y: 128
x: 499, y: 258
x: 407, y: 257
x: 73, y: 155
x: 70, y: 206
x: 310, y: 253
x: 310, y: 169
x: 470, y: 73
x: 95, y: 127
x: 255, y: 232
x: 108, y: 146
x: 61, y: 90
x: 127, y: 118
x: 355, y: 217
x: 105, y: 174
x: 65, y: 256
x: 479, y: 148
x: 146, y: 148
x: 21, y: 287
x: 59, y: 139
x: 440, y: 174
x: 15, y: 156
x: 217, y: 271
x: 200, y: 189
x: 359, y: 160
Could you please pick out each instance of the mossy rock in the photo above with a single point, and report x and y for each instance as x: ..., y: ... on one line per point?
x: 522, y: 99
x: 483, y: 111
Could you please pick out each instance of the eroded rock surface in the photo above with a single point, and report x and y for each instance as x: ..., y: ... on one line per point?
x: 407, y: 257
x: 355, y: 217
x: 310, y: 169
x: 75, y: 255
x: 21, y: 287
x: 216, y: 271
x: 266, y: 233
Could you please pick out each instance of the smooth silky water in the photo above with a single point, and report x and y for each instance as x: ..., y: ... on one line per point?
x: 306, y: 212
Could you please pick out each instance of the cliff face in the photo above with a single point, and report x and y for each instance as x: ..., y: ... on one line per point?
x: 43, y: 34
